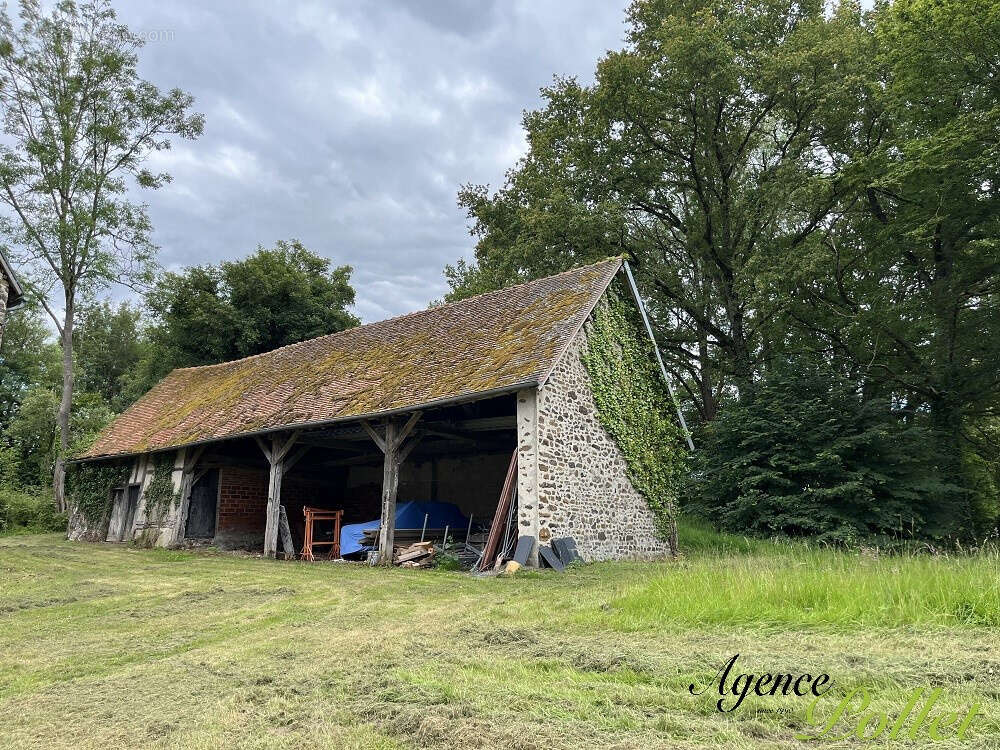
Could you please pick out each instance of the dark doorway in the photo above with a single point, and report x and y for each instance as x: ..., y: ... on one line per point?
x: 202, y: 506
x: 133, y: 503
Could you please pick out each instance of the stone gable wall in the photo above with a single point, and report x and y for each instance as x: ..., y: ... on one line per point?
x: 583, y: 486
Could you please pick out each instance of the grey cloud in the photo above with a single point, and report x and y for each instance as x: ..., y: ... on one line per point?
x: 351, y: 126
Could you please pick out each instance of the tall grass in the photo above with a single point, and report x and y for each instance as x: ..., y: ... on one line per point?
x: 733, y: 580
x: 696, y: 536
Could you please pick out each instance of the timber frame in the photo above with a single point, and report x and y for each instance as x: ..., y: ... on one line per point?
x: 189, y: 478
x: 280, y: 460
x: 395, y: 448
x: 393, y: 438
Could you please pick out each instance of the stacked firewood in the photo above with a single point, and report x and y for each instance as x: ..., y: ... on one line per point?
x: 416, y: 555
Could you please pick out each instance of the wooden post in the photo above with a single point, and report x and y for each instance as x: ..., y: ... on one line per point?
x: 273, y: 505
x: 188, y: 480
x: 275, y: 454
x: 390, y: 485
x: 391, y: 444
x: 287, y: 546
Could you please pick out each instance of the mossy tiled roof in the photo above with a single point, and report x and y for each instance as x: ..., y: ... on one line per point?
x: 500, y: 340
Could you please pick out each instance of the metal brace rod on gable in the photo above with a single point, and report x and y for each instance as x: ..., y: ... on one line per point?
x: 659, y: 357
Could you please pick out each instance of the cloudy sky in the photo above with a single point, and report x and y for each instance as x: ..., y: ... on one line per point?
x: 351, y: 125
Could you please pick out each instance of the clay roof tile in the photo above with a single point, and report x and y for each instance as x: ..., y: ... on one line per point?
x: 500, y: 340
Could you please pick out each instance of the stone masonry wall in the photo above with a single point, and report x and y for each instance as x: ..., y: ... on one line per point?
x: 583, y: 486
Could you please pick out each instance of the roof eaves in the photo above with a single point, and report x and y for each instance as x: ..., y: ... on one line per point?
x: 436, y: 403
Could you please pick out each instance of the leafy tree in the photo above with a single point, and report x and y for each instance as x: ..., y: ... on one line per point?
x: 30, y: 442
x: 795, y: 184
x: 710, y: 143
x: 275, y: 297
x: 110, y: 343
x: 287, y: 294
x: 809, y: 455
x: 195, y: 324
x: 79, y: 122
x: 28, y: 357
x: 908, y: 286
x: 31, y: 438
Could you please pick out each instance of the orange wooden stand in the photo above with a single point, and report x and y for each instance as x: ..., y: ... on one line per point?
x: 321, y: 514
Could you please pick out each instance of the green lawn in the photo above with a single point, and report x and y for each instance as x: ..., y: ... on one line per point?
x: 110, y: 646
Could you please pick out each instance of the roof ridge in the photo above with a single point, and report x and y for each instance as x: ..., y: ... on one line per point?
x: 400, y: 317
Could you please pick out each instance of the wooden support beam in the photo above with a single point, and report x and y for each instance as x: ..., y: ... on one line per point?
x: 351, y: 446
x: 280, y: 446
x: 263, y: 447
x: 193, y: 456
x: 293, y: 459
x: 390, y: 484
x: 450, y: 434
x: 393, y: 454
x: 379, y: 440
x: 352, y: 461
x: 188, y: 480
x: 408, y: 448
x: 407, y: 429
x: 279, y: 453
x: 273, y: 503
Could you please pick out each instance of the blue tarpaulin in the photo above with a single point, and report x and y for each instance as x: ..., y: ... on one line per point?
x: 409, y: 515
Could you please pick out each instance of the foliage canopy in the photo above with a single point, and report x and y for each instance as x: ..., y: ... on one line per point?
x: 277, y: 296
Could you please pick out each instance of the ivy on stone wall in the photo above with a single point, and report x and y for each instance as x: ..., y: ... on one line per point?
x: 90, y: 488
x: 634, y: 405
x: 159, y: 494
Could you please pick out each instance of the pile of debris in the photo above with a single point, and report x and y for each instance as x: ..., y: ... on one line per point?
x: 416, y: 555
x: 561, y: 553
x: 504, y: 551
x: 413, y: 548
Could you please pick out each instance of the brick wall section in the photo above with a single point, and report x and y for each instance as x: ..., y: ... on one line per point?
x: 243, y: 505
x: 242, y: 499
x: 583, y: 488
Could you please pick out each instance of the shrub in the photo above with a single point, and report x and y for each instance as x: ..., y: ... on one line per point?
x: 808, y: 455
x: 445, y: 560
x: 29, y: 511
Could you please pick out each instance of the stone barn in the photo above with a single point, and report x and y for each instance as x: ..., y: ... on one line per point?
x: 441, y: 406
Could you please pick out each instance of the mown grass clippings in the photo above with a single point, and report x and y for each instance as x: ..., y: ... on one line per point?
x: 112, y: 646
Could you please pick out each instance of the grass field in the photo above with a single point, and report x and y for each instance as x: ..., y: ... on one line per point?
x: 111, y: 646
